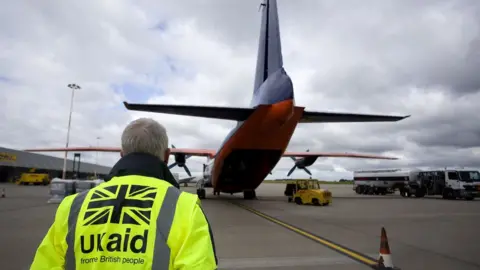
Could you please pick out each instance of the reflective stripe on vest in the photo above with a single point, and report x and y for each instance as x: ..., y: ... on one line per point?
x: 161, y: 251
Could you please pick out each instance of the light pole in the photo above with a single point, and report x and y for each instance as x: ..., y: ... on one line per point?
x: 73, y: 87
x: 96, y: 158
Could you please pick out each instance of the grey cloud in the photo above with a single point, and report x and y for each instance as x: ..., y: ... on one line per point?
x: 404, y: 57
x: 466, y: 138
x: 436, y: 157
x: 392, y: 63
x: 406, y: 44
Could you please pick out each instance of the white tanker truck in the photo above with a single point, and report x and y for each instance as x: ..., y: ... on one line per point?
x: 383, y: 181
x: 450, y: 183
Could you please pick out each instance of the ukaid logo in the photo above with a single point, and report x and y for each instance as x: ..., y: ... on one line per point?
x: 128, y: 205
x: 122, y: 204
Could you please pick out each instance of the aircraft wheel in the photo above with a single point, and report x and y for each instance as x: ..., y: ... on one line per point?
x: 201, y: 193
x: 249, y: 194
x: 298, y: 200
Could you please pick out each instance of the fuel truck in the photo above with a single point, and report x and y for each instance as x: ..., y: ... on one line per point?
x: 450, y: 183
x: 384, y: 181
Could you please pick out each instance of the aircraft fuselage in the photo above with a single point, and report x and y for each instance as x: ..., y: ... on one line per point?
x: 253, y: 148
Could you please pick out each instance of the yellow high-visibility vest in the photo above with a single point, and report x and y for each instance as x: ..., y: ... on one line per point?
x: 130, y: 222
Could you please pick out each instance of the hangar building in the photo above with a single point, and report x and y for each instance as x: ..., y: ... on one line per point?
x: 14, y: 162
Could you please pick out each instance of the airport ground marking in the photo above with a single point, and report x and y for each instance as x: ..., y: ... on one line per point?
x: 357, y: 256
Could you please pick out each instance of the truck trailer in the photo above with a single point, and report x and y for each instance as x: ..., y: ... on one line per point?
x: 382, y: 181
x: 450, y: 183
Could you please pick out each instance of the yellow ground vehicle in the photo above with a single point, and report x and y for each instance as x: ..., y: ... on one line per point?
x: 307, y: 192
x: 34, y: 178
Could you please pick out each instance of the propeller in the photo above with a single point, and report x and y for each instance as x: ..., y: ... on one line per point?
x: 295, y: 167
x: 299, y: 164
x: 180, y: 161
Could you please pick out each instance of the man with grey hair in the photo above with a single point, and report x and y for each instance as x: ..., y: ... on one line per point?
x: 142, y: 138
x: 137, y: 219
x: 145, y: 135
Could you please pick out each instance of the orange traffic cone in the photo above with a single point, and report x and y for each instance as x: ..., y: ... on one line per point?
x: 384, y: 258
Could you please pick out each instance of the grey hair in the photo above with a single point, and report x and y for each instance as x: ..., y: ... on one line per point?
x: 145, y: 135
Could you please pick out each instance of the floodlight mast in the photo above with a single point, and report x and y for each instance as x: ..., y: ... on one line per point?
x: 73, y: 87
x: 96, y: 157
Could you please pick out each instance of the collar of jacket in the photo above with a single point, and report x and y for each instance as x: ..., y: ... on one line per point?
x: 144, y: 165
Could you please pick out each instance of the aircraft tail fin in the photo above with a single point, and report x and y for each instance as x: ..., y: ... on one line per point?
x: 332, y: 117
x: 215, y: 112
x: 269, y: 57
x: 272, y: 83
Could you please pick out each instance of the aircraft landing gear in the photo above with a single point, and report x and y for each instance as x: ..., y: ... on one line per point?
x: 201, y: 193
x: 217, y: 193
x: 249, y: 194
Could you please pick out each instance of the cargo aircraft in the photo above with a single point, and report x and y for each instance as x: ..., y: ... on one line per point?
x: 263, y: 130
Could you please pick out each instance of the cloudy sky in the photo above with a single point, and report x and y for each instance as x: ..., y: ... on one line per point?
x: 418, y: 58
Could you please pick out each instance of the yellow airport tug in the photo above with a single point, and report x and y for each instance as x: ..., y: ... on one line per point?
x: 305, y: 191
x: 31, y: 177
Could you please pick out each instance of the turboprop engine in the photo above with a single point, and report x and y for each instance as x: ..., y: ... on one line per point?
x: 302, y: 163
x: 180, y: 161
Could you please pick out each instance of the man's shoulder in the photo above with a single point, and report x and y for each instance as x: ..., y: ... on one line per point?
x: 188, y: 203
x: 189, y: 197
x: 68, y: 200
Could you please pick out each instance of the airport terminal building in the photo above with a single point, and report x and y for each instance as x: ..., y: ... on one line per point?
x: 15, y: 162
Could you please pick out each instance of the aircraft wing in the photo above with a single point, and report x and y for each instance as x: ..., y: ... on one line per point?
x: 241, y: 114
x: 332, y: 117
x: 186, y: 180
x: 216, y: 112
x: 187, y: 151
x: 194, y: 152
x: 328, y: 154
x: 75, y: 149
